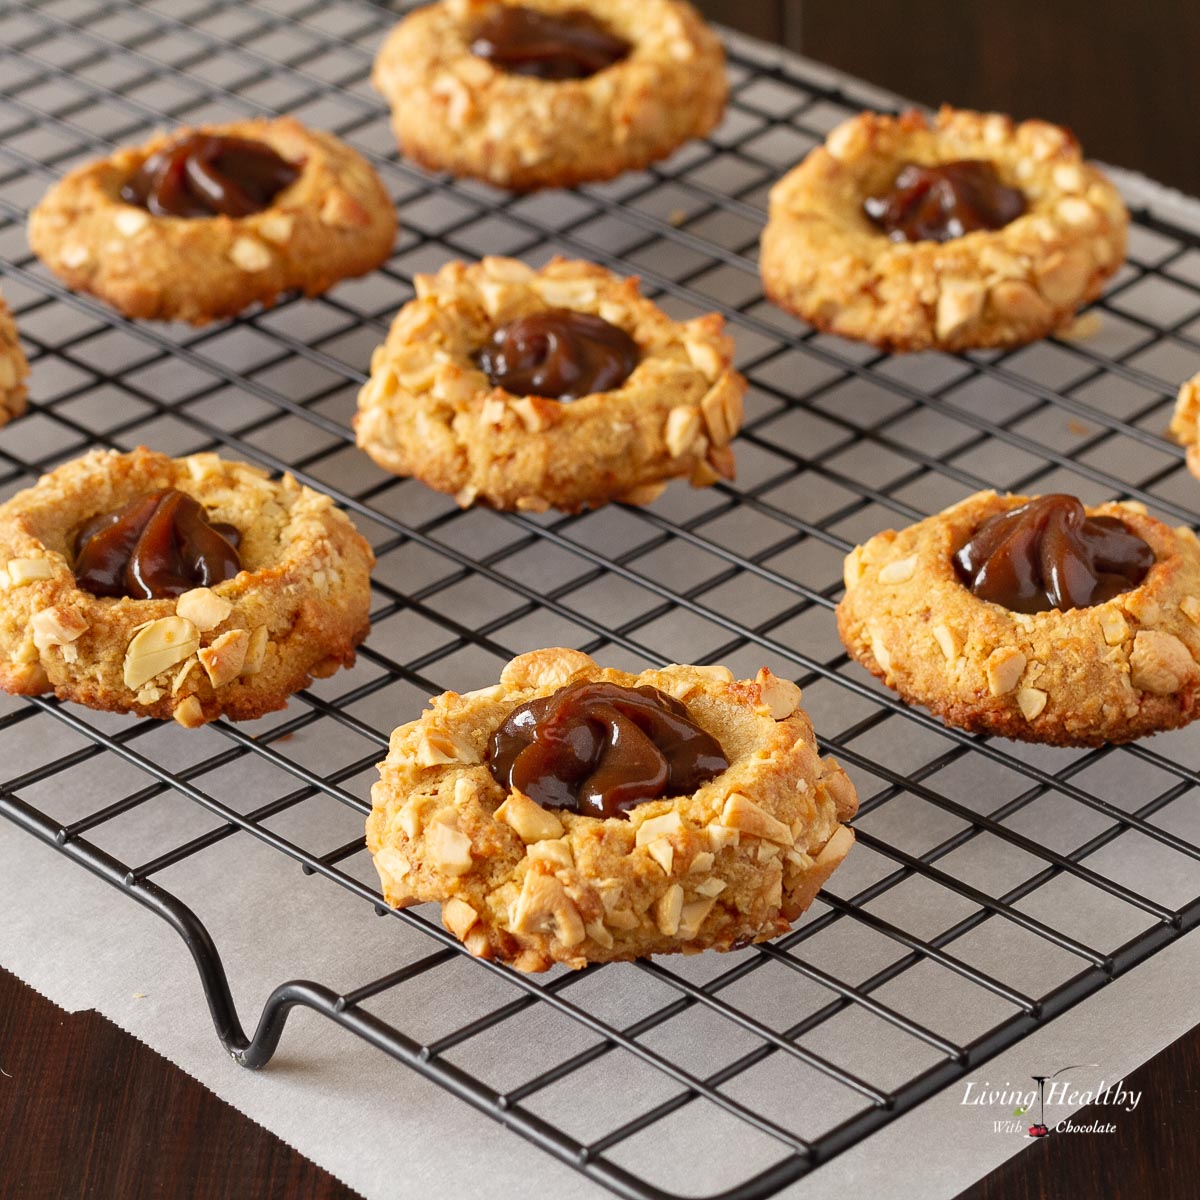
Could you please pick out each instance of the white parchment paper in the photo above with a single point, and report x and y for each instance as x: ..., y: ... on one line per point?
x: 386, y: 1132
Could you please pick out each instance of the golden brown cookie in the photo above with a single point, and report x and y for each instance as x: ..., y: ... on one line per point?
x: 1106, y: 672
x: 428, y: 409
x: 826, y: 261
x: 14, y: 370
x: 453, y: 110
x: 297, y: 607
x: 335, y: 221
x: 1185, y: 421
x: 732, y: 863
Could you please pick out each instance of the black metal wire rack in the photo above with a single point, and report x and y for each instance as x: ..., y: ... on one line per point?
x: 993, y: 885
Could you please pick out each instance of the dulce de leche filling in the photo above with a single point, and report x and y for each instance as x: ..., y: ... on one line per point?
x: 1050, y: 554
x: 935, y: 204
x: 567, y: 45
x: 559, y: 353
x: 600, y: 749
x: 205, y: 175
x: 158, y: 545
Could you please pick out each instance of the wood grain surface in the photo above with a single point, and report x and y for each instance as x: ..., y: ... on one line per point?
x: 1122, y: 75
x: 88, y: 1111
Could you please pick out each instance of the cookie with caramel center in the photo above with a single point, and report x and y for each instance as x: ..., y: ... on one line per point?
x: 198, y: 224
x: 962, y: 231
x: 674, y: 810
x: 1036, y: 618
x: 546, y: 94
x: 558, y: 387
x: 188, y: 588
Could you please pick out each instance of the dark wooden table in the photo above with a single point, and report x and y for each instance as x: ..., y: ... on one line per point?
x: 1120, y: 74
x: 87, y: 1111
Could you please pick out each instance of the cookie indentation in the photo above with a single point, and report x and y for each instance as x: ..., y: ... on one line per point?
x: 935, y: 204
x: 555, y: 46
x: 559, y: 353
x: 157, y: 545
x: 207, y: 175
x: 1050, y: 554
x: 600, y: 749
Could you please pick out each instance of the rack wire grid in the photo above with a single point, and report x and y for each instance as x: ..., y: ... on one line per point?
x: 993, y: 885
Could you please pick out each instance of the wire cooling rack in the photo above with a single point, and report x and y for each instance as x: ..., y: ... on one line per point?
x: 993, y: 885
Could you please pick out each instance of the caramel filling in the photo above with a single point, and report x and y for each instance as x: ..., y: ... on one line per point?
x: 559, y: 353
x: 204, y: 175
x: 935, y: 204
x: 157, y: 545
x: 1050, y: 554
x: 526, y: 41
x: 600, y: 750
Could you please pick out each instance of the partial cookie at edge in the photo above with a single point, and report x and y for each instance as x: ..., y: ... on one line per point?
x: 1185, y: 421
x: 14, y: 369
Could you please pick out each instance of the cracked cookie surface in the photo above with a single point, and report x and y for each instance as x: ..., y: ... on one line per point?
x: 825, y: 261
x: 453, y: 110
x: 732, y: 863
x: 1109, y: 672
x: 335, y: 221
x: 429, y: 410
x: 296, y: 609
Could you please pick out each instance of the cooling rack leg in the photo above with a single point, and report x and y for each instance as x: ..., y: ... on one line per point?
x: 174, y: 912
x: 257, y: 1052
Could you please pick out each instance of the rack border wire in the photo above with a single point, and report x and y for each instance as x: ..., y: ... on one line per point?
x: 95, y: 26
